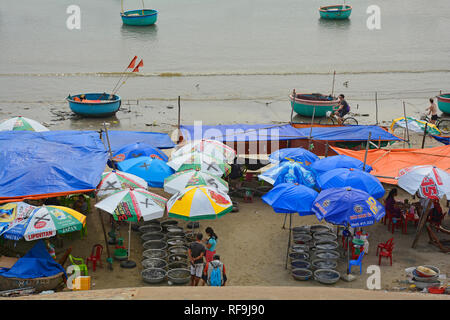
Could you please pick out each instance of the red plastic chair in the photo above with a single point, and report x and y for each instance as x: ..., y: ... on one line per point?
x: 435, y: 223
x: 387, y: 253
x: 408, y: 217
x: 384, y: 245
x: 95, y: 257
x: 397, y: 225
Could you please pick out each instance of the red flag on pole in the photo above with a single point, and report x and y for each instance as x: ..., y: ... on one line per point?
x: 140, y: 64
x: 131, y: 65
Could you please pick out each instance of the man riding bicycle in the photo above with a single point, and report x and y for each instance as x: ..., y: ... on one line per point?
x: 343, y: 109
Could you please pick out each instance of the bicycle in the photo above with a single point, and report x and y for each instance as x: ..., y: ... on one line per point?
x: 332, y: 119
x: 442, y: 124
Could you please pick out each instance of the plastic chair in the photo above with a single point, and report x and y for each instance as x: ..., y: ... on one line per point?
x: 406, y: 218
x: 384, y: 245
x: 397, y: 225
x: 357, y: 262
x: 95, y: 257
x: 80, y: 264
x: 386, y: 252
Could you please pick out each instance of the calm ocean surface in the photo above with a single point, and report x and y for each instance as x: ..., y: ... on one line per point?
x: 228, y: 60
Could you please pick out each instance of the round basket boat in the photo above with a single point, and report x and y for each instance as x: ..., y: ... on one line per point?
x: 301, y: 274
x: 155, y: 244
x: 177, y: 257
x: 153, y: 236
x: 174, y: 229
x: 314, y: 103
x: 299, y: 255
x: 178, y: 265
x: 95, y: 105
x: 299, y: 248
x: 326, y: 245
x: 301, y: 229
x: 154, y: 263
x: 301, y: 238
x: 300, y: 264
x: 176, y: 234
x: 327, y: 254
x: 179, y: 275
x: 150, y: 228
x: 39, y: 284
x: 326, y: 276
x: 154, y: 253
x: 168, y: 223
x: 141, y: 17
x: 444, y: 102
x: 335, y: 12
x: 320, y: 228
x: 324, y: 264
x: 178, y: 249
x: 154, y: 275
x: 324, y: 236
x: 176, y: 242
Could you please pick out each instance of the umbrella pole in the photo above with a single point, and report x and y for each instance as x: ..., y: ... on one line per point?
x: 109, y: 147
x: 348, y: 252
x: 109, y: 260
x: 284, y: 223
x: 129, y: 240
x: 289, y: 239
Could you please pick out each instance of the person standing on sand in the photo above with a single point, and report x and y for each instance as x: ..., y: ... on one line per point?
x: 195, y: 254
x: 432, y: 110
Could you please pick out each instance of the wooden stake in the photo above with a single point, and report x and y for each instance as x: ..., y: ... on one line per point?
x: 332, y: 89
x: 179, y: 119
x: 367, y: 150
x: 109, y: 147
x: 421, y: 224
x: 310, y: 132
x: 376, y: 106
x: 326, y: 149
x: 406, y: 122
x: 424, y: 134
x: 292, y: 104
x: 109, y: 260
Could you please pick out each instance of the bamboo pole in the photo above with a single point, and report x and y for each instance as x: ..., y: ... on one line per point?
x: 310, y: 132
x: 292, y: 104
x: 326, y: 149
x: 332, y: 89
x: 367, y: 150
x: 376, y: 106
x: 420, y: 225
x: 121, y: 4
x: 179, y: 119
x: 109, y: 259
x: 424, y: 134
x: 406, y: 122
x: 109, y: 147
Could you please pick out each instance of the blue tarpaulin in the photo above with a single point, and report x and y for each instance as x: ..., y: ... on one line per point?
x: 37, y: 263
x: 444, y: 140
x: 119, y: 139
x: 42, y: 163
x: 241, y: 132
x: 348, y: 133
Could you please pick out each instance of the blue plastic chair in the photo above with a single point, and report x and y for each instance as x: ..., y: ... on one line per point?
x: 356, y: 263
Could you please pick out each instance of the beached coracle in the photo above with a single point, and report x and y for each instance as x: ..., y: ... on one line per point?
x: 154, y: 263
x: 176, y: 242
x: 153, y: 236
x: 324, y: 264
x: 301, y: 274
x: 324, y: 236
x: 168, y: 223
x: 172, y: 229
x: 326, y: 245
x: 95, y: 105
x: 176, y: 234
x: 300, y: 264
x: 154, y: 253
x: 179, y: 275
x: 178, y: 265
x: 444, y: 102
x: 299, y: 255
x: 299, y: 248
x: 176, y: 257
x: 327, y: 254
x: 154, y: 275
x: 326, y: 276
x: 320, y: 228
x: 155, y: 244
x: 301, y: 238
x: 178, y: 249
x: 150, y: 228
x: 315, y: 103
x: 301, y: 229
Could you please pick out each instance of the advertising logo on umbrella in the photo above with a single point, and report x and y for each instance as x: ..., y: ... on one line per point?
x: 218, y: 198
x: 358, y: 209
x: 428, y: 189
x: 326, y: 203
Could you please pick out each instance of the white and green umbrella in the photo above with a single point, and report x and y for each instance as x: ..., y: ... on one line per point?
x: 22, y: 124
x: 197, y: 203
x: 47, y: 221
x: 188, y: 178
x: 114, y: 181
x: 133, y: 205
x: 212, y: 148
x: 202, y: 162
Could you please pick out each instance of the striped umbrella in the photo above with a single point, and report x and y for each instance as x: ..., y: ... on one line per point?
x: 47, y: 221
x: 133, y: 204
x: 212, y: 148
x: 201, y: 161
x: 188, y: 178
x: 196, y: 203
x: 22, y: 124
x: 117, y: 180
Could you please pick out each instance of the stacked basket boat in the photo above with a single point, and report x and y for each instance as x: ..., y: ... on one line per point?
x: 165, y: 252
x: 313, y: 254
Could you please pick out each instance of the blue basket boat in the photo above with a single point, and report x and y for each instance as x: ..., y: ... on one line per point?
x: 444, y: 102
x: 335, y: 12
x: 95, y: 105
x: 304, y: 104
x: 142, y: 17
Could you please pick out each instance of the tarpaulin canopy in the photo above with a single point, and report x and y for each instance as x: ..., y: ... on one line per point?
x: 442, y: 139
x: 37, y: 263
x: 52, y: 163
x: 119, y: 139
x: 387, y: 163
x: 348, y: 133
x: 241, y: 132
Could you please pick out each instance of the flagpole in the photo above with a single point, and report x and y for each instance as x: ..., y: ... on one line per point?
x: 128, y: 75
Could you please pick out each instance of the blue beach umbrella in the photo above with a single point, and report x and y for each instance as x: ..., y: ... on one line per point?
x: 343, y: 177
x: 154, y: 171
x: 291, y: 198
x: 290, y: 172
x: 340, y: 161
x: 348, y: 207
x: 295, y: 154
x: 138, y: 149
